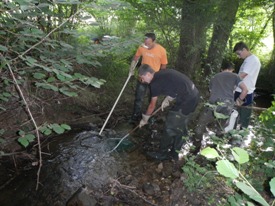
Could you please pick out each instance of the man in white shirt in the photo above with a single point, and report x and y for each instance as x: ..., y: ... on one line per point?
x: 248, y: 72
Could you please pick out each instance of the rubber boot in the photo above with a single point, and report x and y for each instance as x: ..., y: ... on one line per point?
x: 165, y: 146
x: 180, y: 138
x: 139, y: 96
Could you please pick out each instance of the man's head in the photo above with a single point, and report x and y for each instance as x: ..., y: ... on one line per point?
x: 149, y: 40
x: 242, y: 50
x: 145, y: 73
x: 227, y: 66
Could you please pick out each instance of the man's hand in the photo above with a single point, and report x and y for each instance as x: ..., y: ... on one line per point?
x: 144, y: 120
x: 166, y: 102
x: 239, y: 102
x: 132, y: 68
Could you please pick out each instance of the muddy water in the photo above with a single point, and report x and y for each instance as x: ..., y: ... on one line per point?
x: 76, y: 160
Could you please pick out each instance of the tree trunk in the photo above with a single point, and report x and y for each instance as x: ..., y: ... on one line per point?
x: 222, y: 29
x: 271, y: 71
x: 195, y: 20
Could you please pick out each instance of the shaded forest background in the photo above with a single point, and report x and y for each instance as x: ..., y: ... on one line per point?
x: 49, y: 61
x: 53, y: 74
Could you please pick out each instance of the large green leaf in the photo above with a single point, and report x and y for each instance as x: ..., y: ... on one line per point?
x: 3, y: 48
x: 272, y: 185
x: 65, y: 126
x: 30, y: 61
x: 220, y: 115
x: 252, y: 193
x: 210, y: 153
x: 227, y: 169
x: 57, y: 128
x: 240, y: 155
x: 30, y: 137
x: 47, y: 86
x: 65, y: 91
x: 61, y: 77
x: 6, y: 94
x: 23, y: 141
x: 38, y: 75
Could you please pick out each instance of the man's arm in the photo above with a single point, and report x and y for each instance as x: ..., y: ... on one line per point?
x: 242, y: 75
x: 136, y: 58
x: 152, y: 106
x: 244, y: 91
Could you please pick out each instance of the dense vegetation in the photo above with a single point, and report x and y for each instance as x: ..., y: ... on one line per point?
x: 48, y: 55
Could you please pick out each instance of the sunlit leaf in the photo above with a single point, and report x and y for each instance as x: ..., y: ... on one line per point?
x: 63, y: 44
x: 240, y: 155
x: 39, y: 75
x: 210, y: 153
x: 57, y: 129
x: 272, y: 185
x: 252, y: 193
x: 2, y: 131
x: 65, y: 126
x: 51, y: 79
x: 3, y: 48
x: 220, y: 115
x: 46, y: 86
x: 3, y: 98
x: 48, y: 69
x: 61, y: 77
x: 23, y: 141
x: 2, y: 108
x: 227, y: 169
x: 30, y: 137
x: 78, y: 75
x: 47, y: 131
x: 68, y: 93
x: 30, y: 61
x: 21, y: 133
x: 6, y: 94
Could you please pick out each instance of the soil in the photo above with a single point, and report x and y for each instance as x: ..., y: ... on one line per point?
x: 139, y: 181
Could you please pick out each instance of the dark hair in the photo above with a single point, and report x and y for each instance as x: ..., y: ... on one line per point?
x: 227, y: 65
x: 151, y: 36
x: 240, y: 46
x: 144, y: 69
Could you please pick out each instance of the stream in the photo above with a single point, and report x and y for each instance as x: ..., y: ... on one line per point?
x: 81, y: 168
x: 76, y: 162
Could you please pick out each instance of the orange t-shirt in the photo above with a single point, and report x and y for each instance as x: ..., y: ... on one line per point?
x: 154, y: 57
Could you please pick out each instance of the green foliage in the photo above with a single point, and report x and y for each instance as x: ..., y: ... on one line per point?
x: 228, y: 169
x: 59, y: 129
x: 218, y: 116
x: 267, y: 117
x: 196, y: 175
x: 41, y: 58
x: 26, y: 139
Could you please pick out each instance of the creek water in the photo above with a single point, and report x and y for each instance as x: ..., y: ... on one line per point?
x: 75, y: 160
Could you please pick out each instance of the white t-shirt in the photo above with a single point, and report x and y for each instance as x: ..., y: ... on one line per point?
x: 251, y: 66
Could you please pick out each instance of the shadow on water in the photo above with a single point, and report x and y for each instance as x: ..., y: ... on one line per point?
x: 76, y: 159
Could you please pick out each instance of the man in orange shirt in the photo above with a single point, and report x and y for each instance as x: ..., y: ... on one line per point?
x: 155, y: 56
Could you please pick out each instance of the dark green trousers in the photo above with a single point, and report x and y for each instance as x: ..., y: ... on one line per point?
x: 175, y: 132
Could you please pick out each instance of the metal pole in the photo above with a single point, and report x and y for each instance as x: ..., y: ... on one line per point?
x: 114, y: 105
x: 129, y: 76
